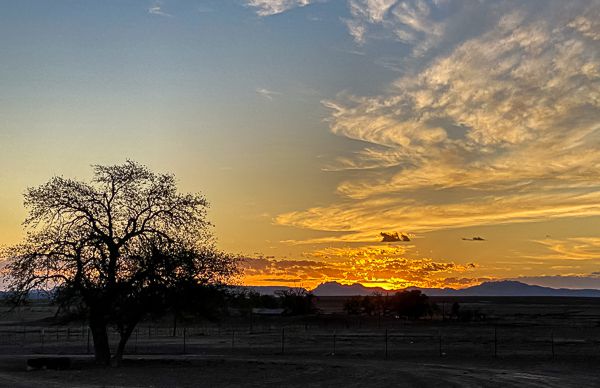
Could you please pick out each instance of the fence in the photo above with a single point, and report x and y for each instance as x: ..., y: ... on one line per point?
x: 302, y: 340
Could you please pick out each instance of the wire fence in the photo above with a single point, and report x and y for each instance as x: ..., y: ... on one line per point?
x: 385, y: 343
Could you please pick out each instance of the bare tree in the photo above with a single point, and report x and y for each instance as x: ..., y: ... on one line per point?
x: 117, y: 245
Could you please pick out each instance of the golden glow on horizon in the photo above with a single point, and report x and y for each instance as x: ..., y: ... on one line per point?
x: 373, y: 266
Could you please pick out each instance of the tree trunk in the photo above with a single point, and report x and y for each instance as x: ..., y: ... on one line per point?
x: 174, y: 323
x: 101, y: 345
x: 122, y: 342
x: 125, y: 335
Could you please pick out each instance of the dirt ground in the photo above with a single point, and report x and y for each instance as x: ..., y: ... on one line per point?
x: 281, y: 371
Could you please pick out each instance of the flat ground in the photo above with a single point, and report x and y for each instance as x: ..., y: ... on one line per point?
x: 523, y: 342
x: 191, y: 371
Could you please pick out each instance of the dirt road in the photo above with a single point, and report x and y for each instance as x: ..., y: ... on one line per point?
x: 215, y: 371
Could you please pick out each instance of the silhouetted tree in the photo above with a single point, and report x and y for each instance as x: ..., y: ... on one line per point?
x: 297, y: 301
x: 433, y: 310
x: 292, y: 301
x: 455, y: 311
x: 368, y: 305
x: 381, y: 302
x: 410, y: 304
x: 119, y: 246
x: 352, y: 305
x: 189, y: 298
x: 244, y: 300
x: 469, y: 315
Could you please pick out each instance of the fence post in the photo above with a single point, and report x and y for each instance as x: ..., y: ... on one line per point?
x: 88, y: 341
x: 56, y: 333
x: 495, y: 342
x: 334, y: 335
x: 440, y: 343
x: 42, y: 333
x: 232, y: 339
x: 552, y: 339
x: 386, y: 344
x: 184, y: 332
x: 282, y: 340
x: 137, y: 331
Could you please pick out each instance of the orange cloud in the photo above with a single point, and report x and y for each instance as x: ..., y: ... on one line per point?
x: 371, y: 266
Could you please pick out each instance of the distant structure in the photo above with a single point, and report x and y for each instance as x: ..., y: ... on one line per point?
x: 477, y: 238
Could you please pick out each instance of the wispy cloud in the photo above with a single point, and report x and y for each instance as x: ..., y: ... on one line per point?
x: 156, y: 9
x: 361, y: 220
x: 408, y: 22
x: 575, y: 248
x: 357, y: 30
x: 503, y: 127
x: 273, y: 7
x: 266, y: 93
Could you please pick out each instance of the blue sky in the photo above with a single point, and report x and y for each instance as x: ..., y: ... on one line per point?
x: 312, y: 126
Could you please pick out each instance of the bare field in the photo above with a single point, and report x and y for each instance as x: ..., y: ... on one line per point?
x: 289, y: 371
x: 522, y: 342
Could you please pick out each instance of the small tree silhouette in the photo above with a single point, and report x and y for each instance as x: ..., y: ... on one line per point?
x: 297, y: 301
x: 410, y: 304
x: 455, y: 311
x: 353, y: 305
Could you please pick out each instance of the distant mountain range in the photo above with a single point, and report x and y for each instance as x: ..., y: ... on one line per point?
x: 33, y: 294
x: 338, y: 289
x: 268, y: 290
x: 499, y: 288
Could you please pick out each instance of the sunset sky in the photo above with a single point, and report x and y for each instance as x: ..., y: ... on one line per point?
x: 472, y: 128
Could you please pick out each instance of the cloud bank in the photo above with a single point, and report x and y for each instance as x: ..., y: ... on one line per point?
x: 498, y: 126
x: 383, y: 266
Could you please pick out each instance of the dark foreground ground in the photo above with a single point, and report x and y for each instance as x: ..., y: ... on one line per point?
x: 523, y: 342
x: 191, y: 371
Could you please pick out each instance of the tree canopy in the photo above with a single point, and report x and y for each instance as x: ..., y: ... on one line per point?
x: 120, y: 245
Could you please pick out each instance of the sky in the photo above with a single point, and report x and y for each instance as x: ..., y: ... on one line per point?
x: 467, y: 132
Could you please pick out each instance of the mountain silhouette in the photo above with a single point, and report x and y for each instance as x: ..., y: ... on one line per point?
x: 267, y: 290
x: 338, y: 289
x: 498, y: 288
